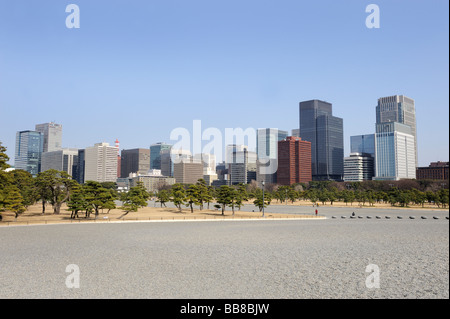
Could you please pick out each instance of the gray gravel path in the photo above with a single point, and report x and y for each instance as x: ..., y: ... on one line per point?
x: 228, y: 259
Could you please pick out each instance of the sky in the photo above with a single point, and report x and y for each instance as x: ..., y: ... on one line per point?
x: 136, y: 70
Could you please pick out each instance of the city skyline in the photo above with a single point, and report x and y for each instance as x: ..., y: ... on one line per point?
x: 139, y: 70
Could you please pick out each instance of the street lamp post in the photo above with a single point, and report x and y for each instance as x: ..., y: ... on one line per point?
x: 263, y: 203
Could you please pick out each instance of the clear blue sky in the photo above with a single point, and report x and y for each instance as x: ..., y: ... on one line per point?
x: 136, y: 70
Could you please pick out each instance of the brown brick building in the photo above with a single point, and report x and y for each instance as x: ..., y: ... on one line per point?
x: 436, y: 171
x: 294, y: 161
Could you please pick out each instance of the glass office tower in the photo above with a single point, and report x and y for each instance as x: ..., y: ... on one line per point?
x: 155, y: 154
x: 401, y: 109
x: 363, y: 144
x: 29, y: 146
x: 326, y: 134
x: 267, y: 153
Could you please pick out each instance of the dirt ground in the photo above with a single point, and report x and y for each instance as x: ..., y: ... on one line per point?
x: 34, y: 215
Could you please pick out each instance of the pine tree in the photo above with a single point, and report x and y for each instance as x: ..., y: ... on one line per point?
x: 178, y: 196
x: 14, y: 201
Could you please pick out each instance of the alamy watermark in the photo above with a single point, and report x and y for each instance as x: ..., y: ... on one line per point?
x: 373, y: 19
x: 73, y: 19
x: 73, y: 279
x: 373, y: 280
x: 222, y: 145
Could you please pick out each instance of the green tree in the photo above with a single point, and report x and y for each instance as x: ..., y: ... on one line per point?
x: 312, y: 195
x: 3, y: 158
x: 134, y: 199
x: 323, y: 196
x: 370, y: 195
x: 193, y: 196
x: 224, y: 197
x: 348, y: 196
x: 404, y: 198
x: 97, y: 197
x: 293, y: 195
x: 14, y: 201
x: 203, y: 192
x: 77, y: 202
x: 260, y: 203
x: 443, y: 197
x: 241, y: 196
x: 5, y: 178
x: 25, y: 183
x: 178, y: 195
x: 419, y: 197
x: 163, y: 196
x: 332, y: 195
x: 209, y: 198
x: 56, y: 186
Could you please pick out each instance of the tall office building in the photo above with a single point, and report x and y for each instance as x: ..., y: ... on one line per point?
x: 401, y: 109
x: 363, y: 144
x: 394, y: 152
x: 208, y: 160
x: 62, y: 160
x: 358, y: 167
x: 267, y: 152
x: 155, y: 154
x: 135, y: 161
x: 79, y: 166
x: 186, y: 172
x: 242, y: 169
x: 171, y: 156
x: 29, y: 146
x: 52, y: 135
x: 326, y: 134
x: 294, y: 161
x: 101, y: 163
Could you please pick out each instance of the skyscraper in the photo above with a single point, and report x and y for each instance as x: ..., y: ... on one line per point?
x: 29, y: 145
x: 242, y: 169
x: 155, y: 154
x: 52, y: 135
x: 363, y: 144
x: 326, y: 134
x: 186, y: 172
x: 62, y: 160
x: 135, y: 161
x: 267, y: 152
x: 100, y: 163
x: 294, y: 161
x: 395, y: 152
x: 401, y: 109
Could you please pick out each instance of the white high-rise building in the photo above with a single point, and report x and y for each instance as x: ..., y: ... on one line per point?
x: 401, y: 109
x: 52, y: 134
x: 101, y: 163
x: 394, y: 152
x: 358, y: 167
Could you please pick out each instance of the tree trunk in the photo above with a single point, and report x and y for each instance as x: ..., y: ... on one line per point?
x: 57, y: 208
x: 43, y: 207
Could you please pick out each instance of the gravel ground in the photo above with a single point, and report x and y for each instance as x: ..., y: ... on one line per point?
x: 294, y: 259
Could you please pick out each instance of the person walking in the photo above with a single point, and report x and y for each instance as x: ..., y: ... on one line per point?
x: 316, y: 212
